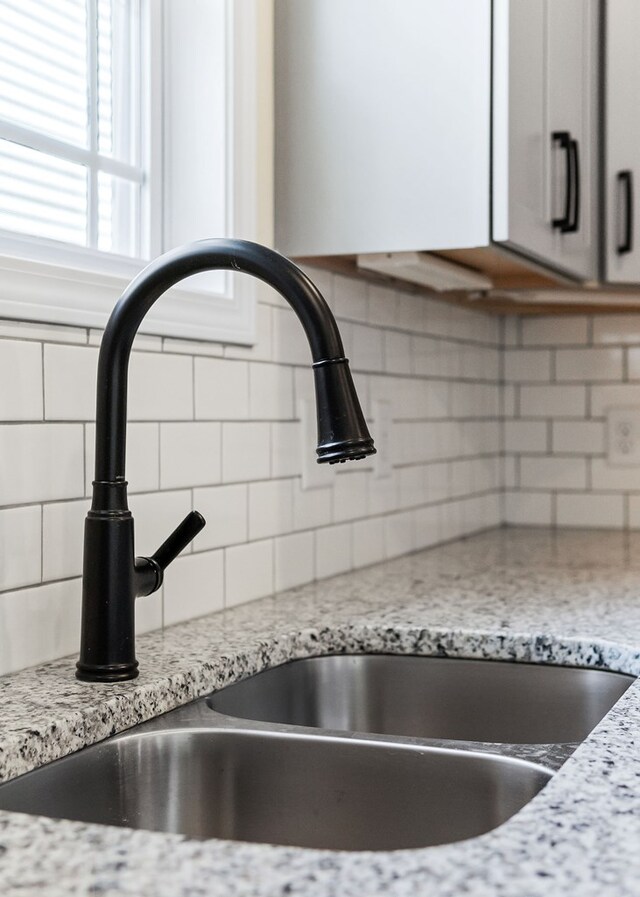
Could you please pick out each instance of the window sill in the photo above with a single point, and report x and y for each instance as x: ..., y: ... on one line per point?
x: 85, y: 296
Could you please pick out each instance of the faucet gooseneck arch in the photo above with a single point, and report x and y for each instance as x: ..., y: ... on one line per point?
x: 112, y: 576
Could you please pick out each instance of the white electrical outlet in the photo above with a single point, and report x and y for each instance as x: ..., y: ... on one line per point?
x: 623, y: 436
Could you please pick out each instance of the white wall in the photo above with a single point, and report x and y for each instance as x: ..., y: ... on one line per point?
x: 216, y: 428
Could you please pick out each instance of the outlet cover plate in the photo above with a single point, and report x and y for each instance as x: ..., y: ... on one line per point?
x: 623, y: 436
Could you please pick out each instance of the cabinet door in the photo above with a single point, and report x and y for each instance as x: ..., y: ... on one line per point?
x: 545, y: 131
x: 622, y: 140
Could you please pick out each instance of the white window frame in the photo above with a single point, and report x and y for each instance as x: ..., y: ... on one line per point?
x: 46, y: 281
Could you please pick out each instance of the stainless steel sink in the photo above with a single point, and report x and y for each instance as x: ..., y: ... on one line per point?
x: 277, y: 758
x: 426, y: 697
x: 281, y: 788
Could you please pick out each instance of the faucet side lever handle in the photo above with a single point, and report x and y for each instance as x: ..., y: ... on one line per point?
x: 150, y: 571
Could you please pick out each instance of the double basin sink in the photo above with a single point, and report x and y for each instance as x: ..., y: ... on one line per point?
x: 344, y: 752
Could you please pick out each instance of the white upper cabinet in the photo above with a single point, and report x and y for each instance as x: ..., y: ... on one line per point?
x: 382, y: 125
x: 622, y: 140
x: 388, y: 137
x: 545, y: 115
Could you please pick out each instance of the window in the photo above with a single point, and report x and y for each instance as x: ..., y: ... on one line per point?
x: 70, y: 159
x: 124, y: 126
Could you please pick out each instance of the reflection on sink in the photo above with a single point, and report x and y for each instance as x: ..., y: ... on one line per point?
x: 426, y: 697
x: 280, y: 788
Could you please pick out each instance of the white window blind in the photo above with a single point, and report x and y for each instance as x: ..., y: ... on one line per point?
x: 70, y: 155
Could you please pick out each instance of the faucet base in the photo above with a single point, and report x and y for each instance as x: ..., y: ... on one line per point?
x: 107, y: 672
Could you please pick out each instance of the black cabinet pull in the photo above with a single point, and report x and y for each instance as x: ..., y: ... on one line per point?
x: 574, y: 154
x: 625, y: 180
x: 563, y: 138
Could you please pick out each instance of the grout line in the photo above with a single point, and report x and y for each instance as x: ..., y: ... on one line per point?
x: 41, y: 543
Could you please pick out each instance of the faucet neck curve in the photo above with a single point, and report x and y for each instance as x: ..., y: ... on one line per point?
x: 165, y: 272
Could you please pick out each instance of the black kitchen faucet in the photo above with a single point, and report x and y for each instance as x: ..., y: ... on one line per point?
x: 113, y: 577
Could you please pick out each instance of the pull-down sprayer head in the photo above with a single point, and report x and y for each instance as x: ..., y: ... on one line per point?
x: 342, y: 431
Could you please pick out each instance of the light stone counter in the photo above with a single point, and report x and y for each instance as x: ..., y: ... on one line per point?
x: 571, y: 598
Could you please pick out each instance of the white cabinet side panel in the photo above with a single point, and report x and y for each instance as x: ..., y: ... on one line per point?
x: 382, y: 125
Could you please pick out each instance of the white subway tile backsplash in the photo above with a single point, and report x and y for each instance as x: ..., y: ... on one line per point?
x: 366, y: 353
x: 413, y: 486
x: 525, y: 436
x: 553, y: 473
x: 150, y: 611
x: 311, y: 507
x: 350, y: 298
x: 605, y: 397
x: 427, y: 527
x: 383, y: 494
x: 217, y: 428
x: 225, y: 508
x: 578, y: 437
x: 350, y: 494
x: 590, y: 510
x: 192, y: 347
x: 221, y: 389
x: 527, y: 365
x: 290, y: 345
x: 270, y: 392
x: 528, y: 508
x: 39, y: 624
x: 62, y: 538
x: 368, y: 541
x: 511, y: 331
x: 413, y: 312
x: 262, y: 350
x: 383, y: 306
x: 286, y: 449
x: 633, y: 361
x: 41, y: 462
x: 70, y: 382
x: 509, y: 471
x: 399, y: 533
x: 333, y: 550
x: 294, y: 559
x: 20, y: 546
x: 21, y: 377
x: 553, y: 401
x: 587, y: 365
x: 554, y: 331
x: 193, y: 586
x: 190, y: 454
x: 618, y: 479
x: 270, y: 508
x: 160, y: 386
x: 576, y: 486
x: 246, y: 451
x: 634, y: 511
x: 397, y: 352
x: 248, y: 572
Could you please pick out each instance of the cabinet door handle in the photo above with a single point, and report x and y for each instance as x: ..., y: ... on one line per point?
x: 625, y: 180
x: 563, y: 139
x: 574, y: 154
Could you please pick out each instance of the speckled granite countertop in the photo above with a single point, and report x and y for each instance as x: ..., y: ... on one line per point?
x: 571, y: 598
